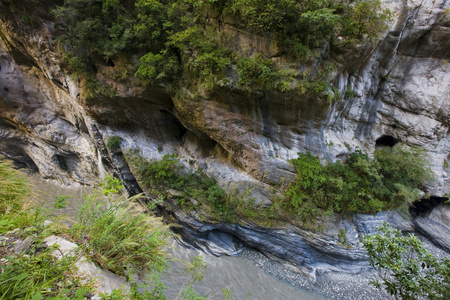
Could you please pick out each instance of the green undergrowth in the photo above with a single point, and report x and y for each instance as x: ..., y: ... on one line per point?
x: 36, y: 274
x: 182, y: 42
x: 358, y: 185
x: 16, y: 198
x: 194, y: 191
x: 168, y: 178
x: 41, y: 275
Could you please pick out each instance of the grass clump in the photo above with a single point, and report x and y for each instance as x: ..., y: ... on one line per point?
x: 15, y: 197
x: 41, y: 276
x: 120, y: 237
x: 359, y: 185
x: 110, y: 229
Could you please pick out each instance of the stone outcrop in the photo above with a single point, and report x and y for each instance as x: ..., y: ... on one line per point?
x: 399, y: 93
x: 436, y: 225
x: 337, y: 247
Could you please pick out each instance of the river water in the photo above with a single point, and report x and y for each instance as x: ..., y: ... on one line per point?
x: 243, y: 279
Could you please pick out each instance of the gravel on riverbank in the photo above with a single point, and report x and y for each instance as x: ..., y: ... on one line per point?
x: 331, y: 285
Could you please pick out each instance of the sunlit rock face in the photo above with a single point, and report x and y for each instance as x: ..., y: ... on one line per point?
x: 394, y: 91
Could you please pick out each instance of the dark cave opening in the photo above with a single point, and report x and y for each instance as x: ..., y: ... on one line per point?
x: 172, y: 126
x: 62, y: 163
x: 425, y: 206
x: 386, y: 141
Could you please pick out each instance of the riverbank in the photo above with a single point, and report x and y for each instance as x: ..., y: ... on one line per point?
x: 331, y: 285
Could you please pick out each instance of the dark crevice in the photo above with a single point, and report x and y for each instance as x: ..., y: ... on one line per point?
x: 110, y: 63
x: 386, y: 141
x: 171, y: 125
x: 424, y: 206
x: 20, y: 159
x: 62, y: 163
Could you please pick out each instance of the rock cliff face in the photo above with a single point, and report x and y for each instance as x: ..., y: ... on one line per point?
x: 400, y: 93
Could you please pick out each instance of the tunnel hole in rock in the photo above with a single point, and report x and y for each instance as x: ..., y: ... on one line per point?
x: 62, y: 163
x: 386, y: 141
x: 425, y: 206
x: 171, y: 126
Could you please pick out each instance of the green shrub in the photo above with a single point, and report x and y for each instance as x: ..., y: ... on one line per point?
x: 257, y: 72
x: 360, y: 185
x: 406, y: 269
x: 113, y: 142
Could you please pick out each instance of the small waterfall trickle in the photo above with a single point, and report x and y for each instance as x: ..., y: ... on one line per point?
x: 101, y: 168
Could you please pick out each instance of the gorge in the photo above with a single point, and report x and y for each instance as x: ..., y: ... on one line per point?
x: 389, y: 91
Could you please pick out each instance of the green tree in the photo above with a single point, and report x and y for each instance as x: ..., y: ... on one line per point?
x: 407, y: 270
x: 367, y: 17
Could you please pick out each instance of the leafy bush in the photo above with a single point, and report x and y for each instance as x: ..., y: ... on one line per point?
x: 406, y: 268
x: 360, y: 185
x: 113, y: 142
x: 262, y: 73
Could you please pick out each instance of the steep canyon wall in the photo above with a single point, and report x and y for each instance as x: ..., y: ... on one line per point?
x: 400, y: 93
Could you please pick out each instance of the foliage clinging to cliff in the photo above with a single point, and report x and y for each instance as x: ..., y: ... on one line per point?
x: 360, y: 185
x: 168, y: 178
x: 182, y: 40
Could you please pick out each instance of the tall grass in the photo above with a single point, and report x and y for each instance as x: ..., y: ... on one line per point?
x: 119, y: 236
x: 41, y: 275
x: 15, y: 197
